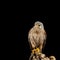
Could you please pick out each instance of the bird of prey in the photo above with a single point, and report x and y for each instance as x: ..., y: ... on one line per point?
x: 37, y: 36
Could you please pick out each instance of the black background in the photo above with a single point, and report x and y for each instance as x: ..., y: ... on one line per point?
x: 24, y: 23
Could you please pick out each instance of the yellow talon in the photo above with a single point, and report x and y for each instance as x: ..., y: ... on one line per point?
x: 33, y: 51
x: 36, y: 50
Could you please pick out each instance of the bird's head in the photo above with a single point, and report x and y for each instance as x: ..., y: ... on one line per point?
x: 39, y: 24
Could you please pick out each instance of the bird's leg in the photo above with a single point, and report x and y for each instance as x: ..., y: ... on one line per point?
x: 37, y: 50
x: 33, y: 51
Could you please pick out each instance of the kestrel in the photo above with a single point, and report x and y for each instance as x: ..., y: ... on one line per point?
x: 37, y: 36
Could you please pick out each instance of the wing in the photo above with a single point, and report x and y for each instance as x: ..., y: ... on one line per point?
x: 45, y: 36
x: 31, y: 39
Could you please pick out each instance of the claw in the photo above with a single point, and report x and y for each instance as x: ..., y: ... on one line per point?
x: 37, y: 50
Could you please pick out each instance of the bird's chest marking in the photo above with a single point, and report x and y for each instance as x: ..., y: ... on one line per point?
x: 36, y: 32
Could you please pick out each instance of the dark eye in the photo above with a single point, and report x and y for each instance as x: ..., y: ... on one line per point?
x: 39, y: 25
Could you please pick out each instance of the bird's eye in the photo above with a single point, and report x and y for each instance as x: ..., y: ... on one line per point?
x: 39, y: 25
